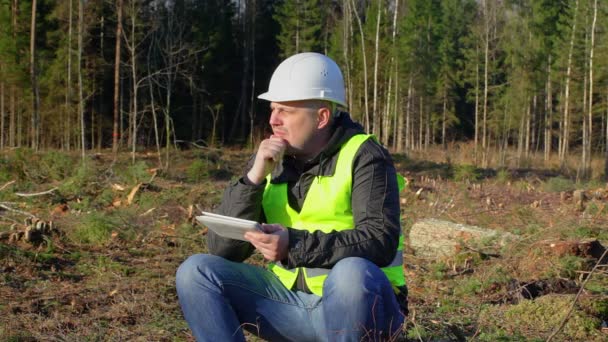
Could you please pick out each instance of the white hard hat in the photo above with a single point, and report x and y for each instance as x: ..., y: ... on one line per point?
x: 306, y: 76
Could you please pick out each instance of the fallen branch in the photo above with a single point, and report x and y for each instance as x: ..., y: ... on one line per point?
x: 483, y: 254
x: 561, y: 326
x: 7, y: 184
x: 36, y: 193
x: 6, y: 207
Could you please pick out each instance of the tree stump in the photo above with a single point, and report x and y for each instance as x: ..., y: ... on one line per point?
x: 432, y: 238
x: 579, y: 198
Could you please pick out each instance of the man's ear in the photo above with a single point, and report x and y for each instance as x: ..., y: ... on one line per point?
x: 324, y: 116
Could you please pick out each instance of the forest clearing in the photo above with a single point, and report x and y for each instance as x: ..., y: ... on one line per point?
x: 106, y: 269
x: 121, y: 120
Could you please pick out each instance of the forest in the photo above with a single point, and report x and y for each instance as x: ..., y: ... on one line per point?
x: 526, y: 75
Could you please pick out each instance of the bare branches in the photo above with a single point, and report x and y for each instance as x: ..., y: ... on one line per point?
x: 5, y: 206
x: 7, y: 184
x: 21, y: 194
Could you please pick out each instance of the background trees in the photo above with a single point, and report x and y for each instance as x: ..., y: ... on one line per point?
x: 528, y: 74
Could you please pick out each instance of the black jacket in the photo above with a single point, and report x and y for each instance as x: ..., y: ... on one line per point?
x: 375, y: 205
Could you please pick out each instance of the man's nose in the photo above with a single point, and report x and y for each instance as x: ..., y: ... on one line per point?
x: 274, y: 118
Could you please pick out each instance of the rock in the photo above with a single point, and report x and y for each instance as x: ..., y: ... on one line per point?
x: 432, y: 238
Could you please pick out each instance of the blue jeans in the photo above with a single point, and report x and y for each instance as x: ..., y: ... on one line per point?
x: 220, y: 298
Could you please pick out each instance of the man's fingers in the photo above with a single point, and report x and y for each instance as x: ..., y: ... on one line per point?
x: 272, y: 228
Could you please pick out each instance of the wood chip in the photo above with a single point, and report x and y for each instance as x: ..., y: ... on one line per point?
x: 133, y: 193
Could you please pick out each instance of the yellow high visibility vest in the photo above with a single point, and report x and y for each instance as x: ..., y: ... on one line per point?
x: 327, y: 207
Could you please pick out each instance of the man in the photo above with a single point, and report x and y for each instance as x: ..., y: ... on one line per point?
x: 328, y: 195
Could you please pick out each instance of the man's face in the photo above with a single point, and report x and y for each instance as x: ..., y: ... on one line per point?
x: 296, y: 122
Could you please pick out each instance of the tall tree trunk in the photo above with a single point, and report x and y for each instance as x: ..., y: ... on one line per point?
x: 548, y: 113
x: 115, y: 131
x: 346, y: 38
x: 12, y: 130
x: 155, y: 121
x: 421, y: 123
x: 35, y: 131
x: 582, y: 171
x: 132, y: 47
x: 427, y: 127
x: 398, y: 116
x: 252, y: 113
x: 386, y: 122
x: 377, y: 117
x: 520, y: 138
x: 590, y: 112
x: 529, y: 127
x: 12, y: 119
x: 399, y: 128
x: 80, y: 86
x: 566, y: 116
x: 366, y: 111
x: 408, y: 119
x: 484, y: 144
x: 476, y: 103
x: 2, y: 115
x: 68, y: 91
x: 606, y: 141
x: 238, y: 124
x: 444, y: 118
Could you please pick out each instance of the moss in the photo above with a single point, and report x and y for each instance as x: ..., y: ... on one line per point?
x: 539, y: 318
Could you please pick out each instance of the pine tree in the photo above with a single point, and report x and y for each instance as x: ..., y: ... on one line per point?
x: 301, y: 23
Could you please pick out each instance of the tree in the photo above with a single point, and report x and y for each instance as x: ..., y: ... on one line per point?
x: 301, y: 26
x: 35, y: 129
x: 565, y: 131
x: 115, y: 132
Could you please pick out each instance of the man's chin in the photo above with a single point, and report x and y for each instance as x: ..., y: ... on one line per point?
x: 292, y: 151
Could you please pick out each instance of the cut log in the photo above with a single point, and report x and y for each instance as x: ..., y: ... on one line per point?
x: 432, y: 238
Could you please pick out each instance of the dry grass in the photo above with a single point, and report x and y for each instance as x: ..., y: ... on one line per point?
x: 110, y: 275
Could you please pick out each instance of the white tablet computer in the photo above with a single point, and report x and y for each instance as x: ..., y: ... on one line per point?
x: 227, y: 226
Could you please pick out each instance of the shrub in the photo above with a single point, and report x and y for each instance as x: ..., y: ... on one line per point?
x: 503, y: 176
x: 570, y: 264
x: 137, y: 173
x: 466, y: 172
x: 197, y: 171
x: 95, y: 229
x: 57, y: 166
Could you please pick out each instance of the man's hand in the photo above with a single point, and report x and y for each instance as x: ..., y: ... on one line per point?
x: 269, y: 154
x: 272, y: 243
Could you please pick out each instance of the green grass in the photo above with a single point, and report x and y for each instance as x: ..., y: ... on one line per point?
x: 95, y: 229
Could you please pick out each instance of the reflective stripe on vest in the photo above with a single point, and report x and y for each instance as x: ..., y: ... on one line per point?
x: 327, y: 207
